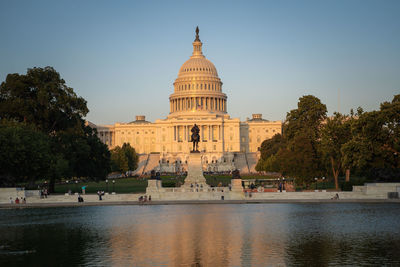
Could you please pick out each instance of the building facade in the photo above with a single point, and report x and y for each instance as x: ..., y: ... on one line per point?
x: 197, y: 99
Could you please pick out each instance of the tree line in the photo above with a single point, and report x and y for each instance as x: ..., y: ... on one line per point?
x: 311, y: 145
x: 43, y: 134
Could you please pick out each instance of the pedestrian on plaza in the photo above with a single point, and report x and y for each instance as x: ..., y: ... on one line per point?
x: 17, y: 200
x: 150, y: 198
x: 23, y: 200
x: 84, y: 189
x: 145, y: 198
x: 99, y: 194
x: 11, y: 200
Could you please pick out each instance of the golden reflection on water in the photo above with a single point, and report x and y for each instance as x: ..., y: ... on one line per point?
x: 206, y: 237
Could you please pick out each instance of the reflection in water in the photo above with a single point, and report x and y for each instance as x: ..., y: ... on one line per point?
x: 202, y: 235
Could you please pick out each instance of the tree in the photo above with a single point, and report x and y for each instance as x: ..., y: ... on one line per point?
x: 300, y: 159
x: 131, y: 156
x: 87, y: 155
x: 119, y: 161
x: 335, y: 133
x: 124, y: 158
x: 374, y: 147
x: 25, y: 154
x: 268, y: 150
x: 41, y: 98
x: 297, y: 152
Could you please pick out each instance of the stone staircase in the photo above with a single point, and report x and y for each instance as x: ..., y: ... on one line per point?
x: 153, y: 162
x: 252, y: 160
x: 241, y: 163
x: 141, y: 164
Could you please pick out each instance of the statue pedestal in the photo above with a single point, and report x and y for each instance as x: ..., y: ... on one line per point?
x: 237, y: 189
x: 195, y: 171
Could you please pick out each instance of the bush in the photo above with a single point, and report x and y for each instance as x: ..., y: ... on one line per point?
x: 169, y: 184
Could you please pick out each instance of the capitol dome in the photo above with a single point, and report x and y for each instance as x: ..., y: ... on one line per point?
x: 198, y: 87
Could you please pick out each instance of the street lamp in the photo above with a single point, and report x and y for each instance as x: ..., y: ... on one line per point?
x: 107, y: 185
x: 67, y: 185
x: 316, y: 179
x: 323, y: 184
x: 113, y: 185
x: 76, y: 184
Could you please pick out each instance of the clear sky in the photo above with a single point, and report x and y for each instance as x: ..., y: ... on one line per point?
x: 123, y: 56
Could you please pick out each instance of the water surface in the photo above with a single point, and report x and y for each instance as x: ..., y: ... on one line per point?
x: 203, y: 235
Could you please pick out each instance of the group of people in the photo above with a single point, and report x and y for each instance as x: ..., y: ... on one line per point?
x: 144, y: 199
x: 17, y: 200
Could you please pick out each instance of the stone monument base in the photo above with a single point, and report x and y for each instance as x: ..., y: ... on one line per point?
x: 195, y: 186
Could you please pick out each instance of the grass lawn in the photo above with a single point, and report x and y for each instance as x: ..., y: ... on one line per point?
x: 135, y: 185
x: 122, y: 185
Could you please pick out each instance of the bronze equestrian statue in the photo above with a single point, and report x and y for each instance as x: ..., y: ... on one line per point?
x: 195, y: 138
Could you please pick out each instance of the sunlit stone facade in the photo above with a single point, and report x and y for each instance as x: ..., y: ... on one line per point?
x: 197, y: 99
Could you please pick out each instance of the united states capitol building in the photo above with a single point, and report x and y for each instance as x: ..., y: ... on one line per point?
x: 164, y: 145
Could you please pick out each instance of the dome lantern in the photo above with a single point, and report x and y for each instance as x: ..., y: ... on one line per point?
x: 197, y: 53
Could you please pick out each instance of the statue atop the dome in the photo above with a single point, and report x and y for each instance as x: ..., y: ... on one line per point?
x: 197, y: 34
x: 195, y: 138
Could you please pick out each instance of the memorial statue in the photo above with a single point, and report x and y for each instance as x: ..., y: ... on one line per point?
x: 195, y: 138
x: 197, y: 34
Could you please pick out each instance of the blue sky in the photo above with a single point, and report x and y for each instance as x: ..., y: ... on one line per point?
x: 123, y: 56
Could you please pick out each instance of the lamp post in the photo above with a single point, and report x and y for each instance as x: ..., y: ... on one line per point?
x: 113, y: 185
x: 323, y: 184
x: 107, y: 185
x: 316, y: 179
x: 76, y: 185
x: 67, y: 185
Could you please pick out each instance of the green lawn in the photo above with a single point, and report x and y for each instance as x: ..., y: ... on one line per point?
x: 122, y: 185
x: 135, y: 185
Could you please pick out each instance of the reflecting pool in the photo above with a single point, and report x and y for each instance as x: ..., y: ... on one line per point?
x: 202, y: 235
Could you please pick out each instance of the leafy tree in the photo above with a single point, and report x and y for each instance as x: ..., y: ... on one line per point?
x: 131, y: 156
x: 306, y: 119
x: 297, y: 152
x: 335, y: 133
x: 124, y: 158
x: 119, y: 161
x: 268, y: 150
x: 41, y: 98
x: 374, y: 148
x: 25, y: 154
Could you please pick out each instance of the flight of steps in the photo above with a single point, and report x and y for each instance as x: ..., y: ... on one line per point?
x: 241, y: 163
x: 252, y: 160
x: 141, y: 164
x: 152, y: 162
